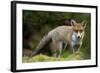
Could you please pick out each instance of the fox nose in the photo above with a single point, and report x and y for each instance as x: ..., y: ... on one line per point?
x: 78, y: 37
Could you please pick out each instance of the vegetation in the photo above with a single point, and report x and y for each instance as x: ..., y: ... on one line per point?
x: 36, y: 24
x: 44, y: 58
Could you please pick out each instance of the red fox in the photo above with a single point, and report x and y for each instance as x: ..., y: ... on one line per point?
x: 62, y: 37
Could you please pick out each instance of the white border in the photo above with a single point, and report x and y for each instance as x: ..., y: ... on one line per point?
x: 21, y: 65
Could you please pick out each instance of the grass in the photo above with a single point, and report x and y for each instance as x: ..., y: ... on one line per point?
x: 44, y: 58
x: 40, y: 58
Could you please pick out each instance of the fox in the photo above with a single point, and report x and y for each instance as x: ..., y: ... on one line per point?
x: 63, y: 37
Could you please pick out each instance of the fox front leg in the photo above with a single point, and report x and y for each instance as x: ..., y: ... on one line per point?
x: 78, y: 48
x: 72, y: 50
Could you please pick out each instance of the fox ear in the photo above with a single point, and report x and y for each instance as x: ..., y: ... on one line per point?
x: 73, y: 22
x: 84, y: 23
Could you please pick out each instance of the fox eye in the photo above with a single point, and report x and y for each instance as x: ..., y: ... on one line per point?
x: 81, y: 30
x: 76, y: 31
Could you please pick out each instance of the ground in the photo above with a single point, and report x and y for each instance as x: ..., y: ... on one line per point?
x: 44, y: 58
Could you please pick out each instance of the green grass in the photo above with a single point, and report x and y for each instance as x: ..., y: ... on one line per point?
x: 40, y: 58
x: 44, y: 58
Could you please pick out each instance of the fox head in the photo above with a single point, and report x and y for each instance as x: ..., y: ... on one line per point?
x: 78, y: 29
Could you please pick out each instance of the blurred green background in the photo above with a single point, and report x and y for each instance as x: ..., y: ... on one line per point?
x: 36, y: 24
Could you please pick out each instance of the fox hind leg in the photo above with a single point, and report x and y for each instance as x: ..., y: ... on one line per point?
x: 59, y: 47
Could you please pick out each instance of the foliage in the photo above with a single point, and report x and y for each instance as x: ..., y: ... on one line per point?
x: 44, y: 58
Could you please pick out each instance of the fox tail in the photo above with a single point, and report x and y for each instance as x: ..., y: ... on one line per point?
x: 46, y: 39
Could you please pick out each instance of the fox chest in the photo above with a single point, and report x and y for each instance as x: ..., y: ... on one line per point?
x: 75, y: 43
